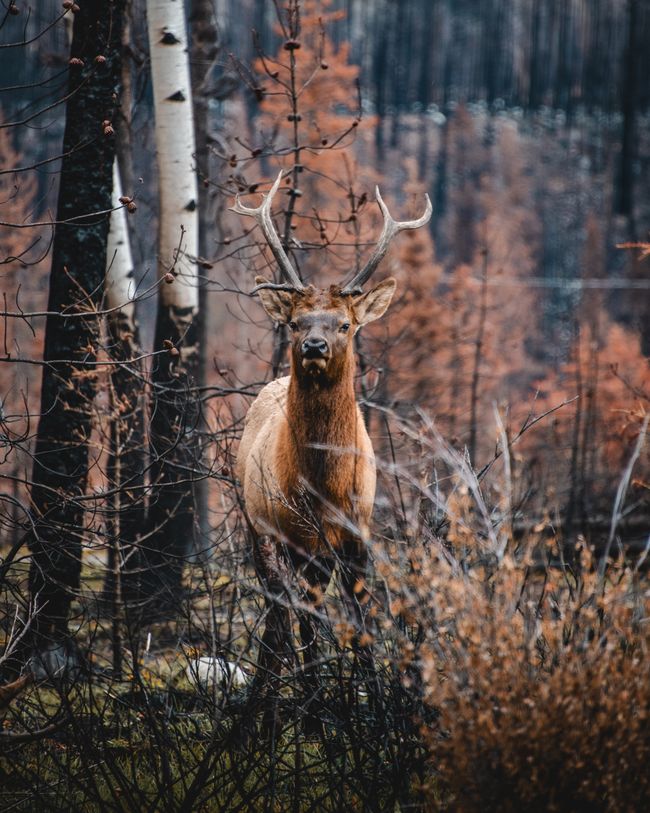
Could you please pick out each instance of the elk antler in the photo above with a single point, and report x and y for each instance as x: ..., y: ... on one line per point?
x: 262, y: 215
x: 391, y: 228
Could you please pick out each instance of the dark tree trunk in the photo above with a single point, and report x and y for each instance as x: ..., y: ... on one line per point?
x: 78, y: 266
x: 625, y: 187
x: 381, y: 80
x: 127, y: 461
x: 205, y: 47
x: 428, y: 38
x: 591, y: 64
x: 442, y: 169
x: 126, y: 465
x: 425, y: 85
x: 260, y: 23
x: 173, y: 427
x: 126, y: 507
x: 174, y: 430
x: 491, y: 51
x: 576, y: 485
x: 124, y: 142
x: 402, y: 57
x: 562, y: 90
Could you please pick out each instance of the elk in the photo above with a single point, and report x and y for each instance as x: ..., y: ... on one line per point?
x: 305, y: 460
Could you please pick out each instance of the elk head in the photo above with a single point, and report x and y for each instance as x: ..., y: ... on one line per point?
x: 323, y: 321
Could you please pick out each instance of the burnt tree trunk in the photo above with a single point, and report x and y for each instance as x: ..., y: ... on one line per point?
x: 60, y: 468
x: 425, y: 86
x: 204, y: 50
x: 380, y: 80
x: 173, y: 435
x: 442, y: 169
x: 534, y: 82
x: 625, y: 187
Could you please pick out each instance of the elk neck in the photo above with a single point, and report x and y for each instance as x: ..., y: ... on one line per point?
x: 322, y: 412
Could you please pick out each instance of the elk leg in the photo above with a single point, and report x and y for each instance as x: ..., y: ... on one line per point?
x: 273, y: 571
x: 318, y: 575
x: 356, y: 599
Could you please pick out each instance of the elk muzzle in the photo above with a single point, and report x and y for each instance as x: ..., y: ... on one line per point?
x: 315, y: 353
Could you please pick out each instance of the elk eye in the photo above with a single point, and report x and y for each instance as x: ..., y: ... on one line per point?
x: 345, y: 327
x: 293, y: 326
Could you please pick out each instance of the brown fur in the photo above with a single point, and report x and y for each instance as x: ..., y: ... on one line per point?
x: 308, y: 473
x: 305, y: 460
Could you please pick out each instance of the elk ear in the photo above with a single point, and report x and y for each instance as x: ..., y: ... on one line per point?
x: 278, y: 304
x: 371, y: 305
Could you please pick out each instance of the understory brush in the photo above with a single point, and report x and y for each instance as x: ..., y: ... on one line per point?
x: 507, y: 678
x: 540, y: 679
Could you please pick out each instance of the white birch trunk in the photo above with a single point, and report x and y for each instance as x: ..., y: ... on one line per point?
x: 175, y: 409
x: 175, y: 149
x: 125, y: 517
x: 120, y: 287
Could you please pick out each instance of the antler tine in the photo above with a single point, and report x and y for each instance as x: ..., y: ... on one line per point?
x: 262, y: 215
x: 273, y: 286
x: 391, y: 228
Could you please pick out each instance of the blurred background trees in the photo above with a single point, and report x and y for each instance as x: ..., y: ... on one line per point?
x: 506, y: 390
x: 523, y: 119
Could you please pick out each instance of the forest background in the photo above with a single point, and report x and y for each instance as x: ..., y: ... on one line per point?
x: 526, y: 123
x: 521, y: 323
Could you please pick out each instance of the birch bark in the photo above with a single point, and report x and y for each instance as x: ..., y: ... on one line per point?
x: 175, y: 147
x: 119, y: 287
x: 126, y: 465
x: 174, y: 419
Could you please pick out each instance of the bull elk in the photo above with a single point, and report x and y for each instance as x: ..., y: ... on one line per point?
x: 305, y: 460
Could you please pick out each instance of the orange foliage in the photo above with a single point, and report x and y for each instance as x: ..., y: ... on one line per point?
x: 316, y: 138
x: 23, y: 262
x: 445, y: 312
x: 324, y: 83
x: 427, y: 346
x: 612, y: 380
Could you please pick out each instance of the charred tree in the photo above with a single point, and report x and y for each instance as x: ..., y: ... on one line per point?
x: 534, y: 83
x: 205, y: 47
x: 60, y: 468
x: 381, y: 80
x: 562, y: 88
x: 425, y: 84
x: 441, y: 191
x: 625, y: 188
x: 402, y: 55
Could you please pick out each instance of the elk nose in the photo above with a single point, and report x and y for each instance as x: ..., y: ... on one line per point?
x: 314, y: 348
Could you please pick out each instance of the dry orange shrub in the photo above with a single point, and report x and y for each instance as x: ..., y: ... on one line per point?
x: 540, y: 680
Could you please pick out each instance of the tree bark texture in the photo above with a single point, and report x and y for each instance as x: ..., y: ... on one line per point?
x: 126, y: 464
x: 175, y: 413
x: 60, y: 468
x: 625, y: 190
x: 204, y: 51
